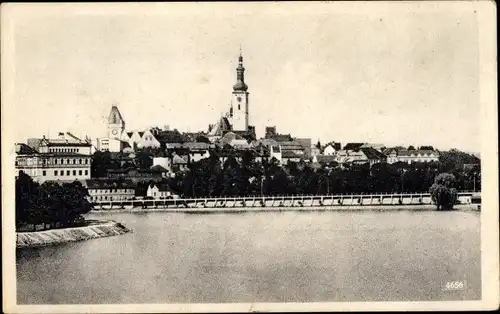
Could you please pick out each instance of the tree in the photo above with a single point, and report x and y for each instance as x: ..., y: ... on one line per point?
x: 144, y: 159
x: 411, y: 147
x: 101, y: 162
x: 50, y: 202
x: 202, y: 139
x: 426, y: 148
x: 443, y: 193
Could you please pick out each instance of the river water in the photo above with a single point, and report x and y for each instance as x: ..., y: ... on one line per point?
x: 261, y: 257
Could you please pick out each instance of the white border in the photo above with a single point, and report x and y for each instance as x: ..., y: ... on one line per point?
x: 486, y: 10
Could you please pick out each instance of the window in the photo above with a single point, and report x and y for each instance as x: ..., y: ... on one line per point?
x: 67, y: 172
x: 86, y: 172
x: 239, y: 107
x: 85, y: 161
x: 55, y: 161
x: 73, y: 161
x: 44, y: 173
x: 74, y: 172
x: 62, y: 172
x: 80, y: 160
x: 79, y: 172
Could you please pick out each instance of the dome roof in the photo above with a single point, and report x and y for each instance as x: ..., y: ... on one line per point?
x: 240, y: 86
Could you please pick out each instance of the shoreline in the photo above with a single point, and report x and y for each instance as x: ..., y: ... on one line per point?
x: 100, y: 229
x: 233, y: 210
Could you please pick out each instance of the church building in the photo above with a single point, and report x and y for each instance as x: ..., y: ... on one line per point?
x: 237, y: 119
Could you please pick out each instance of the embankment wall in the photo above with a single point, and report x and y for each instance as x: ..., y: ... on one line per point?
x: 96, y: 229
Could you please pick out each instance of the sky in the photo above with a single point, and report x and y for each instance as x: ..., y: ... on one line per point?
x: 395, y: 74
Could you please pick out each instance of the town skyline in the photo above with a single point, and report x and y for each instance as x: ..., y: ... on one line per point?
x: 322, y: 85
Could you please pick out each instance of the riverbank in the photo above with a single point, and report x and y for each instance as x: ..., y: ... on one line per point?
x: 96, y: 229
x: 353, y: 208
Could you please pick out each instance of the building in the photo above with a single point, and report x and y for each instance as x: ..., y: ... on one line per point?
x: 360, y: 156
x: 290, y: 156
x: 116, y: 128
x: 120, y: 140
x: 331, y: 148
x: 240, y: 100
x: 306, y: 143
x: 136, y: 175
x: 110, y: 190
x: 65, y: 158
x: 164, y: 162
x: 410, y: 156
x: 237, y: 119
x: 159, y: 191
x: 234, y: 140
x: 324, y: 159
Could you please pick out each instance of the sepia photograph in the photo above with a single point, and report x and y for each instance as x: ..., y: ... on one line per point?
x: 239, y: 157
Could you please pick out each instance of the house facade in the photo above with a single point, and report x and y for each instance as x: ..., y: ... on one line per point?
x: 110, y: 190
x: 411, y: 156
x: 158, y: 191
x: 61, y: 159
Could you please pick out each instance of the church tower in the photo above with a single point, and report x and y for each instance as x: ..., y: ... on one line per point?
x: 239, y: 103
x: 116, y: 124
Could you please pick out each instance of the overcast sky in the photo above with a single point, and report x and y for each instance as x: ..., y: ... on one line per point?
x: 395, y: 74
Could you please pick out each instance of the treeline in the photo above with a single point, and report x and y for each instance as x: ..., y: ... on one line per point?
x: 211, y: 178
x: 58, y: 205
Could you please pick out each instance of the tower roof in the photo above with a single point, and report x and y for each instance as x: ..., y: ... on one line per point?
x: 114, y: 116
x: 240, y: 76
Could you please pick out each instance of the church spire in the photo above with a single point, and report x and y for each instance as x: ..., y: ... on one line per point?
x: 240, y: 75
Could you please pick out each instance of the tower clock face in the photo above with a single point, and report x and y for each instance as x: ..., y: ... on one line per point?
x: 239, y: 99
x: 114, y: 132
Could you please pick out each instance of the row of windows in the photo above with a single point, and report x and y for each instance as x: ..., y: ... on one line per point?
x: 109, y: 198
x: 114, y: 191
x: 72, y: 161
x: 68, y: 172
x: 63, y: 150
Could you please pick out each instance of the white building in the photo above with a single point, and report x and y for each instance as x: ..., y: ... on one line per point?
x: 65, y: 158
x: 158, y: 191
x: 240, y: 100
x: 410, y: 156
x: 108, y: 190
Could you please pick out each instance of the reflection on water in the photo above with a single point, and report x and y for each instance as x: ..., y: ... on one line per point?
x: 261, y: 257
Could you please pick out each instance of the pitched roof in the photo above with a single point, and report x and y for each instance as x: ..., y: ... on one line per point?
x: 162, y: 186
x: 178, y: 160
x: 289, y: 154
x: 115, y: 116
x: 158, y: 168
x: 196, y: 145
x: 291, y: 145
x: 24, y: 149
x: 353, y: 146
x: 281, y: 137
x: 373, y: 154
x: 324, y: 159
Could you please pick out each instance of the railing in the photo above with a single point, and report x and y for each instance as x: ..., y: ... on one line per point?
x: 204, y: 200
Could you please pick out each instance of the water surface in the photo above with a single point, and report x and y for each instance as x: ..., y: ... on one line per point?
x: 261, y: 257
